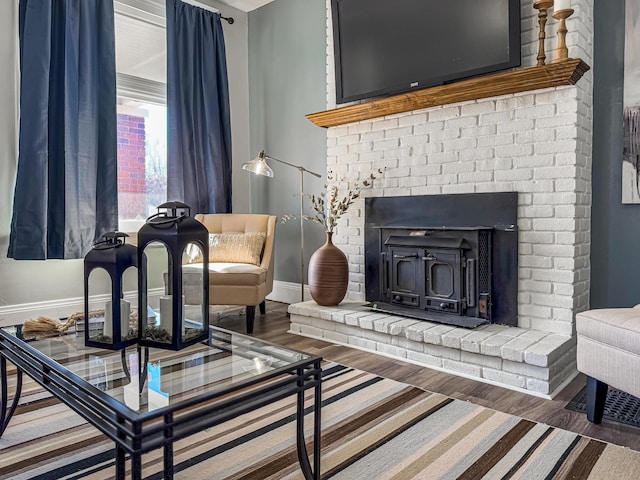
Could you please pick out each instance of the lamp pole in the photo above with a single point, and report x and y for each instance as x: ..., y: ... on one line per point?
x: 302, y: 171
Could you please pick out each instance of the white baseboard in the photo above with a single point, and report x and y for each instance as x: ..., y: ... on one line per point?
x: 284, y: 292
x: 17, y: 314
x: 287, y: 292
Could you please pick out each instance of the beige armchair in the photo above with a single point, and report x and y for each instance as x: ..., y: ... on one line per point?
x: 608, y: 353
x: 240, y: 262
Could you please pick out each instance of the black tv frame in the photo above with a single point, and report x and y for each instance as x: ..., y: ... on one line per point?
x: 514, y: 60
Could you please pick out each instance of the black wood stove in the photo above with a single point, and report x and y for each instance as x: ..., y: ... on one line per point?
x: 445, y: 258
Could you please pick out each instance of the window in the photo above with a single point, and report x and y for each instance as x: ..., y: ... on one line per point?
x: 142, y: 161
x: 142, y: 113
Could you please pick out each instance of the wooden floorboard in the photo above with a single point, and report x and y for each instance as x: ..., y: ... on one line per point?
x: 273, y: 326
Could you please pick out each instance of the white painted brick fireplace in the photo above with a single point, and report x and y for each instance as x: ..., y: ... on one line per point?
x: 536, y: 143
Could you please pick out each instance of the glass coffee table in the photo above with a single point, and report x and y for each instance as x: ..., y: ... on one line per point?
x: 144, y: 398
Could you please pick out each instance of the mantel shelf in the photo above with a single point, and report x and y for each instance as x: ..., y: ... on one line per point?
x: 567, y: 72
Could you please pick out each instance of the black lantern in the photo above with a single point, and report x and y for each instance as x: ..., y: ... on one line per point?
x: 173, y: 254
x: 114, y: 257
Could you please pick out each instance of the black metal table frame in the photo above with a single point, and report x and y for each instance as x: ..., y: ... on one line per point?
x: 136, y: 434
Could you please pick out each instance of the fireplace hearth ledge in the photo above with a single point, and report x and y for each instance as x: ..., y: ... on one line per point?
x: 531, y: 361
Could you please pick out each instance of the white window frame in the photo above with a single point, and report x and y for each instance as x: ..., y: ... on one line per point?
x: 137, y: 88
x: 140, y: 89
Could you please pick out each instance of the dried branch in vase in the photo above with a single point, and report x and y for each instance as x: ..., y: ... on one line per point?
x: 329, y: 206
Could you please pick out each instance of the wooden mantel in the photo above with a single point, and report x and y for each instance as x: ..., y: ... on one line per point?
x: 567, y: 72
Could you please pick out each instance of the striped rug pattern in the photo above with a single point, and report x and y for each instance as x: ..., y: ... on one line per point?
x: 373, y: 428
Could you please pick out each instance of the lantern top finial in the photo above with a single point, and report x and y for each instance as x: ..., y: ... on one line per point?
x: 170, y: 215
x: 174, y: 207
x: 111, y: 239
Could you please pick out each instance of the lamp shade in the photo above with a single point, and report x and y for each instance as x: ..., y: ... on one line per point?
x: 259, y: 166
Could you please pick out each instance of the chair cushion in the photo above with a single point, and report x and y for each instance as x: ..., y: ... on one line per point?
x: 241, y: 274
x: 616, y: 327
x: 608, y: 347
x: 236, y: 247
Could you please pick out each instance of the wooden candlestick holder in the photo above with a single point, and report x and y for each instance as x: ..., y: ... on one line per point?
x: 542, y: 6
x: 562, y: 52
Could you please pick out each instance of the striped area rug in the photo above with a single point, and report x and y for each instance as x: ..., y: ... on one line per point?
x: 373, y: 428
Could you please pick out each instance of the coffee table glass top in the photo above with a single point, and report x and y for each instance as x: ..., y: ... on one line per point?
x: 225, y: 364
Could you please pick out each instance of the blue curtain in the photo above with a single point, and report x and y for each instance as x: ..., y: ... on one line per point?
x: 199, y: 127
x: 66, y: 187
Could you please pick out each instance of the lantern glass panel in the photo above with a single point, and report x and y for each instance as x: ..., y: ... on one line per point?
x: 100, y: 322
x: 159, y: 312
x: 193, y: 278
x: 130, y: 324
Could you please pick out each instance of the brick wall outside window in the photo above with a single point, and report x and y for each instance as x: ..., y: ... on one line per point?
x: 131, y: 167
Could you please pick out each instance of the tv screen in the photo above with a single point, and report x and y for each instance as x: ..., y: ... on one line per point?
x: 385, y: 47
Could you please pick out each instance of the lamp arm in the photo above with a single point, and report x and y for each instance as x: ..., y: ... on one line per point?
x: 302, y: 169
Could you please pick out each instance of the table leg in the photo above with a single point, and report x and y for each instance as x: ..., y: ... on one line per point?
x: 317, y: 430
x: 120, y: 464
x: 136, y: 466
x: 7, y: 412
x: 168, y: 448
x: 303, y: 455
x: 168, y: 462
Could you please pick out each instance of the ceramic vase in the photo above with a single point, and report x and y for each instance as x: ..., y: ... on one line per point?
x: 328, y: 274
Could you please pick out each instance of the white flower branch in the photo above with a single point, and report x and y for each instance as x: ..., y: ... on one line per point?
x: 328, y: 207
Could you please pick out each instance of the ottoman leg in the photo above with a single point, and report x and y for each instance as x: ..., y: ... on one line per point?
x: 596, y: 396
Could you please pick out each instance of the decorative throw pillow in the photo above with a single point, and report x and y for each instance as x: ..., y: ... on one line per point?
x: 236, y: 247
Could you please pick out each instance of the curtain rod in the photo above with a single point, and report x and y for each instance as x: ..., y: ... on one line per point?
x: 153, y: 11
x: 196, y: 3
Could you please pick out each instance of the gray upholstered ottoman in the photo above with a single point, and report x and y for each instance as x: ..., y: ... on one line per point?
x: 609, y: 354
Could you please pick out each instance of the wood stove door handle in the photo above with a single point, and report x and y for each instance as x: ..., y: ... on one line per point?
x: 413, y: 255
x: 429, y: 258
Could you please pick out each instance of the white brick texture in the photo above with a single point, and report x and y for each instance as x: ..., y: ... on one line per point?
x: 515, y: 357
x: 537, y: 167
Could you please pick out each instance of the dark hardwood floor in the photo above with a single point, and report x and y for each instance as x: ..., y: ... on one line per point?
x: 273, y: 327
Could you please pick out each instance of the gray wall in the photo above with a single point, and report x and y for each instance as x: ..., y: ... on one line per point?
x: 287, y: 79
x: 22, y: 282
x: 615, y: 258
x: 8, y: 132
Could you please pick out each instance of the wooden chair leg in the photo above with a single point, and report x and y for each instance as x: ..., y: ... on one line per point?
x: 263, y: 307
x: 596, y: 397
x: 251, y: 314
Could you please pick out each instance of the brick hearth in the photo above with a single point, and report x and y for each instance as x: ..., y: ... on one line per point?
x: 537, y: 362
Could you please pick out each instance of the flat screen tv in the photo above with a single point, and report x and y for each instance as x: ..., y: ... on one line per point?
x: 387, y: 47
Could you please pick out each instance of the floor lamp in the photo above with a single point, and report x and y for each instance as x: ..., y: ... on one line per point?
x: 259, y: 166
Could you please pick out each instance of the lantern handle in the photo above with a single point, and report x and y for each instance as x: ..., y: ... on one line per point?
x: 161, y: 218
x: 175, y: 206
x: 111, y: 239
x: 154, y: 219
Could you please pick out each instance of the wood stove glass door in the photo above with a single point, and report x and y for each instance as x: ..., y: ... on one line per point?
x: 406, y: 273
x: 443, y: 280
